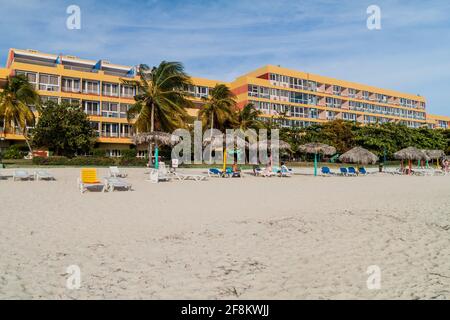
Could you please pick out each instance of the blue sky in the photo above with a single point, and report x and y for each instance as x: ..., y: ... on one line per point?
x: 224, y: 39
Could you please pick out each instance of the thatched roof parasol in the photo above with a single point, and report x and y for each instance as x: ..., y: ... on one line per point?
x: 267, y: 144
x: 316, y: 147
x: 156, y: 137
x: 411, y: 153
x: 359, y: 155
x: 434, y: 154
x: 219, y: 141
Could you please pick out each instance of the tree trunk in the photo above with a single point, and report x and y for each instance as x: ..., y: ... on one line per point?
x: 24, y: 133
x: 210, y: 138
x: 152, y: 128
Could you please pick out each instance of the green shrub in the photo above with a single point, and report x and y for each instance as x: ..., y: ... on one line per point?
x: 98, y: 153
x: 129, y: 153
x: 88, y: 161
x: 14, y: 152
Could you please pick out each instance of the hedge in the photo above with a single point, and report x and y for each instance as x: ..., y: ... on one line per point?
x: 88, y: 161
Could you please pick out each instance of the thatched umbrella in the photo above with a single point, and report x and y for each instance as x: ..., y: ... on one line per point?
x: 317, y: 148
x: 359, y: 155
x: 434, y: 154
x: 267, y: 144
x: 158, y: 138
x: 411, y: 154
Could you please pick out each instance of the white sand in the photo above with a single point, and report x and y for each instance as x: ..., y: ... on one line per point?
x: 251, y: 238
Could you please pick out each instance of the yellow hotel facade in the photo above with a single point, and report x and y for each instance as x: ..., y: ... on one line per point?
x: 293, y: 98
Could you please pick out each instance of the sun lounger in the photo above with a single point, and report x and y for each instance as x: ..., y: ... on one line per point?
x: 88, y: 179
x: 160, y: 174
x: 362, y: 171
x: 326, y: 171
x: 115, y: 172
x: 186, y: 176
x: 21, y: 175
x: 43, y: 175
x: 113, y: 183
x: 285, y: 172
x: 343, y: 171
x: 351, y: 171
x: 214, y: 172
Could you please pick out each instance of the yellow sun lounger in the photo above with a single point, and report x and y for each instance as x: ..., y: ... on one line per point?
x: 88, y: 178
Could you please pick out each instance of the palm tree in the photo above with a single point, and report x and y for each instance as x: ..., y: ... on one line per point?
x: 160, y: 100
x: 248, y: 118
x: 219, y: 108
x: 15, y: 99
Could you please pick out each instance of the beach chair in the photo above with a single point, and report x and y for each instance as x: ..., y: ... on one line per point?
x: 285, y: 172
x: 343, y: 171
x: 351, y: 171
x: 113, y: 183
x: 88, y: 179
x: 186, y: 176
x: 362, y: 171
x: 326, y: 171
x: 43, y: 175
x: 214, y: 172
x: 115, y: 172
x: 21, y: 175
x: 160, y: 174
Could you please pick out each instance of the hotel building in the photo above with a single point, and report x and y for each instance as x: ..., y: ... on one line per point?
x: 293, y: 98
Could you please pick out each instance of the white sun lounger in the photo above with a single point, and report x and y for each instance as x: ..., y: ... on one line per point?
x: 21, y: 175
x: 43, y: 175
x: 186, y: 176
x: 113, y: 183
x: 115, y: 172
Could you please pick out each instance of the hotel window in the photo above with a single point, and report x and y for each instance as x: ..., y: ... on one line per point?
x: 91, y: 87
x: 126, y: 130
x: 337, y: 90
x: 298, y: 112
x: 333, y: 102
x: 264, y: 92
x: 96, y: 127
x: 201, y: 92
x: 110, y: 130
x: 312, y: 85
x: 48, y: 82
x: 352, y: 93
x: 45, y: 99
x: 70, y: 85
x: 297, y: 97
x: 312, y: 99
x: 110, y: 109
x: 124, y: 110
x: 127, y: 91
x: 91, y: 107
x: 110, y: 89
x: 31, y: 76
x: 252, y: 90
x: 142, y: 154
x: 313, y: 113
x: 70, y: 101
x: 365, y: 95
x: 349, y: 116
x: 331, y: 115
x: 114, y: 153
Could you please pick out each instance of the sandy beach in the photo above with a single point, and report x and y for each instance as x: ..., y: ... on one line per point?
x: 251, y: 238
